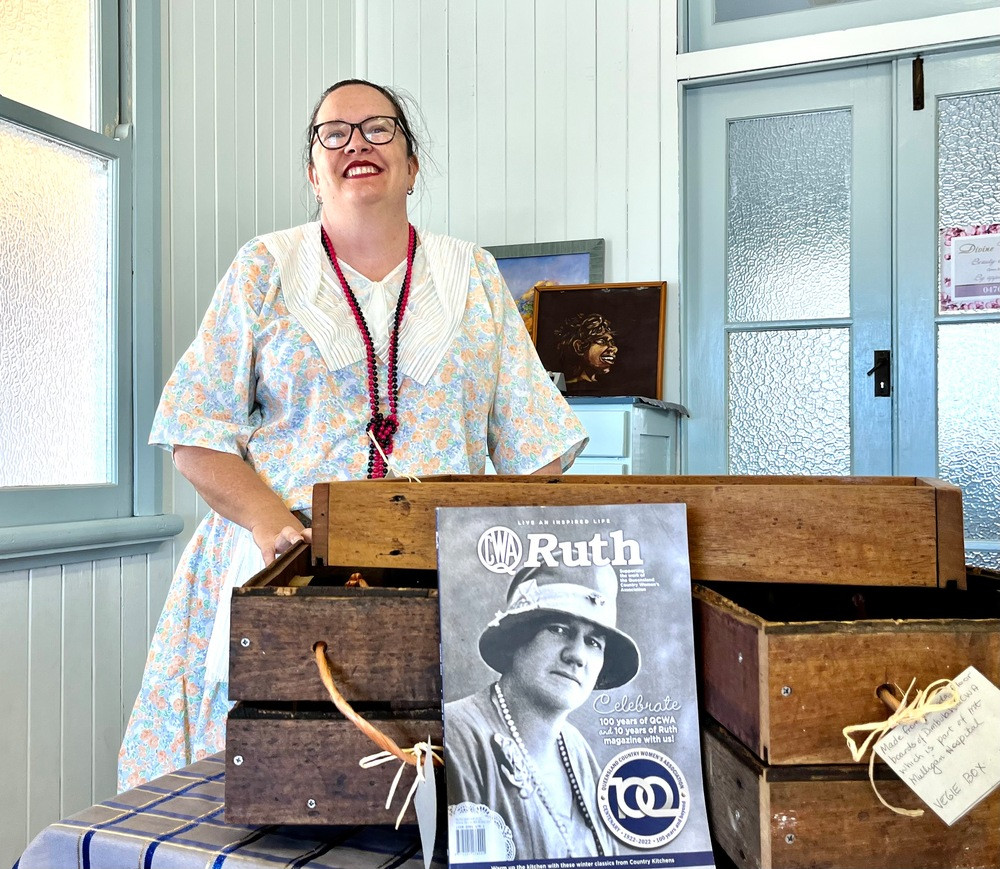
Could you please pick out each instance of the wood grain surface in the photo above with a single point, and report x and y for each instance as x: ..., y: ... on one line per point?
x: 853, y: 530
x: 828, y: 817
x: 286, y: 762
x: 381, y: 646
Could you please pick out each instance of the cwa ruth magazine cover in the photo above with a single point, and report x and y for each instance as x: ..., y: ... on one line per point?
x: 571, y: 734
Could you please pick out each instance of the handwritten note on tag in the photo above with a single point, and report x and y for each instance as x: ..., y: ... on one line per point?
x: 951, y: 760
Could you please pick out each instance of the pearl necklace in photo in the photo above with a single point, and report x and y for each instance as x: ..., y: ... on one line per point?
x: 536, y: 779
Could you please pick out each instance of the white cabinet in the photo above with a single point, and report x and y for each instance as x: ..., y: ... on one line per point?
x: 627, y: 435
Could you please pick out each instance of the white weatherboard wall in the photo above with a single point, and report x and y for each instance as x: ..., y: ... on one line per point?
x: 548, y: 120
x: 74, y: 640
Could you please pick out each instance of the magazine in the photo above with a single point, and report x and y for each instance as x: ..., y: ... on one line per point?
x: 571, y: 734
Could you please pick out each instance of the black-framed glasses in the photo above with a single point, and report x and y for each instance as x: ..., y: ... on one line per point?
x: 334, y: 135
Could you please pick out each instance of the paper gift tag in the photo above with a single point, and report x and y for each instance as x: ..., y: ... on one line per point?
x: 425, y: 803
x: 951, y: 760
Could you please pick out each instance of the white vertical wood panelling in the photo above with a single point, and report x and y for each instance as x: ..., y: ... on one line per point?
x: 44, y: 697
x: 14, y: 723
x: 643, y: 107
x: 259, y: 126
x: 226, y: 143
x: 77, y: 736
x: 461, y: 149
x: 576, y: 150
x: 549, y: 122
x: 74, y: 641
x: 490, y: 126
x: 432, y: 77
x: 298, y: 102
x: 379, y: 41
x: 109, y: 701
x: 612, y: 143
x: 134, y: 637
x: 580, y: 146
x: 520, y: 141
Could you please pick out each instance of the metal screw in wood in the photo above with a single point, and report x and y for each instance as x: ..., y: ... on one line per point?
x: 245, y: 642
x: 238, y: 760
x: 310, y: 804
x: 786, y: 690
x: 789, y: 838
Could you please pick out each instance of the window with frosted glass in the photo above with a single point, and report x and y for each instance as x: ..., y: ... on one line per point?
x: 789, y: 402
x: 57, y: 388
x: 968, y: 394
x: 47, y: 57
x: 969, y: 421
x: 788, y: 236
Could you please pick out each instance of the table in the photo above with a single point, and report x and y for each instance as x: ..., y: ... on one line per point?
x: 176, y: 822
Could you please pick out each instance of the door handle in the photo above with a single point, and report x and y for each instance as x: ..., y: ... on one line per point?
x: 882, y: 370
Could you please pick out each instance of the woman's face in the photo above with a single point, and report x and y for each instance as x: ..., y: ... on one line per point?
x: 558, y: 668
x: 601, y: 354
x: 360, y: 173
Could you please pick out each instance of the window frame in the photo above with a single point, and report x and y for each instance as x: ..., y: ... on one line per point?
x: 126, y: 57
x: 699, y: 31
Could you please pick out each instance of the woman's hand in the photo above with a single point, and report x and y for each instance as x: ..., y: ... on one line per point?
x: 272, y: 546
x: 233, y: 489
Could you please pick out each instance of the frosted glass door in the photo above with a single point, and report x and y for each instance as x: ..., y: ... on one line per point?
x: 788, y: 274
x: 949, y: 343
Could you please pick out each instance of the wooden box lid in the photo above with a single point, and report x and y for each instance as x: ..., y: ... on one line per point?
x: 846, y: 530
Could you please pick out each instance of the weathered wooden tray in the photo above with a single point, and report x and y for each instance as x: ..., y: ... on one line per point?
x: 786, y: 667
x: 850, y: 530
x: 299, y: 765
x: 828, y: 817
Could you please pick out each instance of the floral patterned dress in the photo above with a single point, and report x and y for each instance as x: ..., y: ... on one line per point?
x: 254, y: 383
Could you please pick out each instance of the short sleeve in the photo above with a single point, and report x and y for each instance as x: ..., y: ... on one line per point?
x: 209, y: 399
x: 531, y: 423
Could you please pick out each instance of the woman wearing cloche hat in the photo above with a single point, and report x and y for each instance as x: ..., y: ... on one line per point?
x: 515, y: 765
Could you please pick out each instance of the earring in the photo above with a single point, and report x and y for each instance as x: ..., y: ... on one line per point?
x: 409, y: 192
x: 319, y: 199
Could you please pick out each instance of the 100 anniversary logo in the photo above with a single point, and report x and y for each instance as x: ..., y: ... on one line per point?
x: 643, y: 798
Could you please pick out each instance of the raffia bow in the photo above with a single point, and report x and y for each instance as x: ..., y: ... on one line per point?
x: 908, y: 713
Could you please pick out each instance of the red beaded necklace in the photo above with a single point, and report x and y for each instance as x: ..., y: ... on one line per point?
x: 382, y: 426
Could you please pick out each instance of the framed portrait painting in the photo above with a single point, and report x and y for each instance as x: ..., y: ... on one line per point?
x: 606, y: 339
x: 525, y: 266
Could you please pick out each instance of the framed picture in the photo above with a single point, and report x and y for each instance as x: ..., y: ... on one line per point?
x: 525, y: 266
x: 606, y: 339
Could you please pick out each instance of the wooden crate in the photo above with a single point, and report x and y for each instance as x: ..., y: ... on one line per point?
x: 852, y: 530
x: 291, y: 757
x: 828, y: 817
x: 786, y: 667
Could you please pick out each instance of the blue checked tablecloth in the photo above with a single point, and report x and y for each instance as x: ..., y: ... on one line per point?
x: 176, y: 822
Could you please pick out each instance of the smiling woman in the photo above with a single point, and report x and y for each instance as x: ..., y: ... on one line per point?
x: 341, y: 349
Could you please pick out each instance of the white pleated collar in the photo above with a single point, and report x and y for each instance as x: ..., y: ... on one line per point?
x: 315, y: 298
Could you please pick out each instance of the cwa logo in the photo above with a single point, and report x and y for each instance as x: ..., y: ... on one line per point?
x: 499, y: 550
x: 643, y: 798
